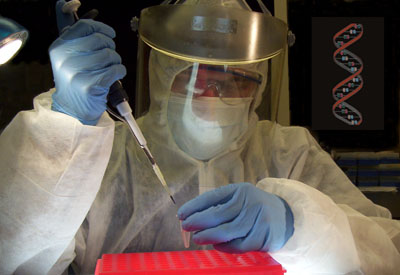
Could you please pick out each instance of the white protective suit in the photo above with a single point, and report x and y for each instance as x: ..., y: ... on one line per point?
x: 60, y: 202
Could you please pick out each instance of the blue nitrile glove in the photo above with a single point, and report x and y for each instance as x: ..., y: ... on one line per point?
x: 238, y: 218
x: 85, y: 65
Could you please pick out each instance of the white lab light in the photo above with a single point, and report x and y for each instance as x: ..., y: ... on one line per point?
x: 12, y: 37
x: 9, y: 50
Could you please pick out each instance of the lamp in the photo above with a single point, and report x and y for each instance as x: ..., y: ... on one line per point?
x: 12, y: 37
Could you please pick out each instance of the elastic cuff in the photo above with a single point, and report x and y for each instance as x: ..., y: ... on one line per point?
x: 289, y: 221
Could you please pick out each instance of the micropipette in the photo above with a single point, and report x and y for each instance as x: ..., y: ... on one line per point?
x: 118, y: 98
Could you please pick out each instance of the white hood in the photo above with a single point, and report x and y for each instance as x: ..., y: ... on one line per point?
x: 162, y: 72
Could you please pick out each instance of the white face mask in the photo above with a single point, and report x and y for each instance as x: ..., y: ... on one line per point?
x: 206, y: 126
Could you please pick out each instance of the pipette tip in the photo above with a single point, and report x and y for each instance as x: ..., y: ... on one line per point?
x: 76, y: 16
x: 172, y: 198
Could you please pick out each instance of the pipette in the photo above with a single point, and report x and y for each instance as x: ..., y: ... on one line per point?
x: 118, y: 98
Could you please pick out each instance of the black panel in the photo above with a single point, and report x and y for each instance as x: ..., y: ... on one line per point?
x: 300, y: 15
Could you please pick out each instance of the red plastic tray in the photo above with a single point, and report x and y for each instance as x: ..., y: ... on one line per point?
x: 188, y: 262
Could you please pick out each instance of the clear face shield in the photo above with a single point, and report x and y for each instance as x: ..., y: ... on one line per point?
x: 213, y: 65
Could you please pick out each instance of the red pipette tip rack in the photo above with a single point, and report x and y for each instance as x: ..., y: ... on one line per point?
x: 188, y: 262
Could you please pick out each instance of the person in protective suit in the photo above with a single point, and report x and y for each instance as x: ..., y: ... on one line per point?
x: 75, y: 184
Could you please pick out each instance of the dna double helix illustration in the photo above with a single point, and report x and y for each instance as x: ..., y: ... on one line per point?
x: 352, y: 84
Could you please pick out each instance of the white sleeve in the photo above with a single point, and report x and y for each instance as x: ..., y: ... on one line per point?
x: 376, y: 239
x: 51, y: 168
x: 330, y: 238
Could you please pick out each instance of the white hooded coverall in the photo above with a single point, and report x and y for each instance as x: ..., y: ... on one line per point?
x: 71, y: 192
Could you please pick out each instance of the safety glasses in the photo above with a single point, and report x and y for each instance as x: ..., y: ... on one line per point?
x: 216, y: 81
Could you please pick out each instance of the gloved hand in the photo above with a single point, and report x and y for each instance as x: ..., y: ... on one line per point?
x: 85, y: 65
x: 238, y: 218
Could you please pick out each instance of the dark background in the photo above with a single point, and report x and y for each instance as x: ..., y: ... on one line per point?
x: 326, y: 74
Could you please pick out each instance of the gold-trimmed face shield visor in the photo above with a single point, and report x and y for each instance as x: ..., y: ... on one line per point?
x: 219, y: 40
